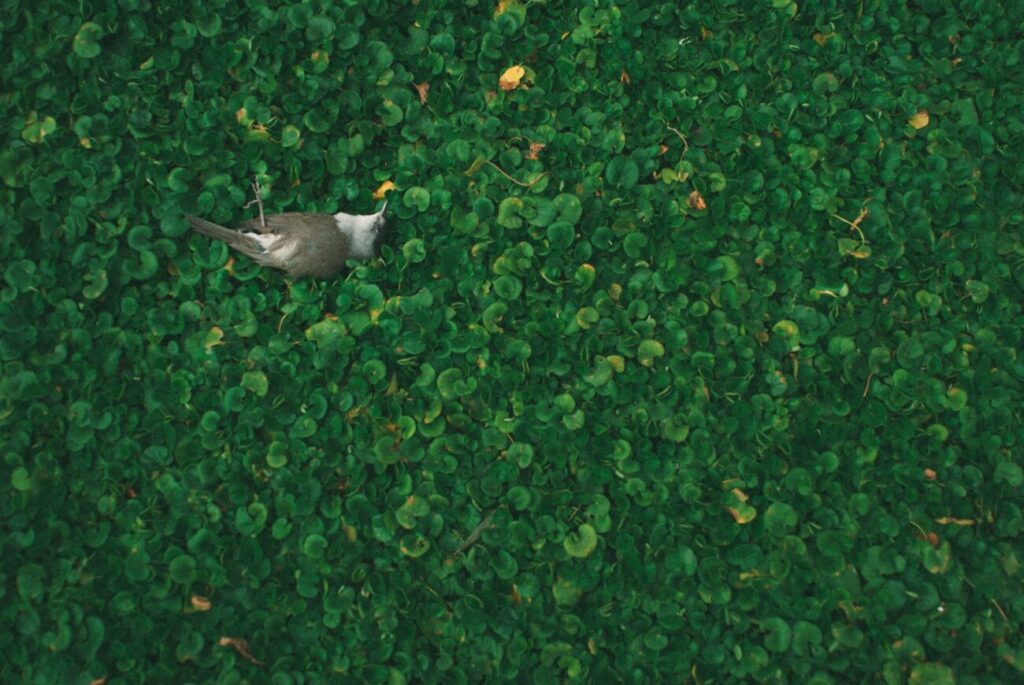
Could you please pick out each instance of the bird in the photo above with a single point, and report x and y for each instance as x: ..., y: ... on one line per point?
x: 302, y: 243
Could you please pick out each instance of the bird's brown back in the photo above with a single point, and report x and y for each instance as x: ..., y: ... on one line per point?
x: 310, y: 244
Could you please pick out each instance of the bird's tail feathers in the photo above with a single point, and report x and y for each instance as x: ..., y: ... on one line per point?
x: 242, y: 242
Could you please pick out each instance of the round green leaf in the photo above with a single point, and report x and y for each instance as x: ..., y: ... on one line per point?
x: 780, y: 518
x: 183, y: 569
x: 648, y: 351
x: 622, y: 172
x: 417, y: 197
x: 724, y: 267
x: 290, y: 136
x: 634, y: 244
x: 581, y: 543
x: 20, y: 480
x: 414, y: 545
x: 561, y: 234
x: 314, y: 546
x: 86, y: 41
x: 779, y: 634
x: 414, y: 250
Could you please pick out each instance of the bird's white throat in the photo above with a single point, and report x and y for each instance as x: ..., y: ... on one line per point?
x: 361, y: 232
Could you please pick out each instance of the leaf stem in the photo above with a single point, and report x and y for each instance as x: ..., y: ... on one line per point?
x: 515, y: 180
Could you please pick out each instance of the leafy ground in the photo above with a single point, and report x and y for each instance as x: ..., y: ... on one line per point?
x: 693, y: 358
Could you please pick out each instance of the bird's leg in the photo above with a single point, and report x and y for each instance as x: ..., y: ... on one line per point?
x: 258, y: 202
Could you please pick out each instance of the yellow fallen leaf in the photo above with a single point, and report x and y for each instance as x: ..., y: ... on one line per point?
x: 919, y: 120
x: 382, y: 190
x: 743, y: 515
x: 946, y: 520
x: 200, y: 603
x: 511, y: 77
x: 214, y: 337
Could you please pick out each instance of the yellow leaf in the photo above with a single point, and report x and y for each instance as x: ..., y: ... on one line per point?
x: 744, y: 514
x: 511, y: 77
x: 946, y: 520
x: 214, y: 337
x: 382, y: 190
x: 200, y: 603
x: 736, y: 504
x: 919, y: 120
x: 822, y: 38
x: 501, y: 8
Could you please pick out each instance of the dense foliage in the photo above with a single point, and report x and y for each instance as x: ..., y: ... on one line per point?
x: 693, y: 356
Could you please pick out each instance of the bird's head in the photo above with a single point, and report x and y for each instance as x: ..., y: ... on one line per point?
x: 380, y: 228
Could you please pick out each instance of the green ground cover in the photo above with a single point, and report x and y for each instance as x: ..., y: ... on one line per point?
x: 693, y: 357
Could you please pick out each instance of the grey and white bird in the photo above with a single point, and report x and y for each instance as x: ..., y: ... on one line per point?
x: 303, y: 243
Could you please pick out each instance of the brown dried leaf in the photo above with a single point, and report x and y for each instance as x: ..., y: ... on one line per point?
x: 242, y: 647
x: 624, y: 78
x: 696, y: 201
x: 822, y: 38
x: 200, y: 603
x: 534, y: 149
x: 422, y: 89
